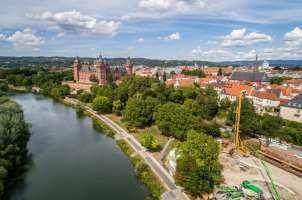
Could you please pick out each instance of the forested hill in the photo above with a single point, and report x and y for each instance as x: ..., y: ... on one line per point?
x: 9, y: 62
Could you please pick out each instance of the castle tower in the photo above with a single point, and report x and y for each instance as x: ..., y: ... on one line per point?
x: 76, y: 69
x: 101, y: 70
x: 129, y: 66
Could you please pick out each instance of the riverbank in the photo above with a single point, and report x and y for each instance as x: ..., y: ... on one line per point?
x: 159, y: 171
x: 70, y: 159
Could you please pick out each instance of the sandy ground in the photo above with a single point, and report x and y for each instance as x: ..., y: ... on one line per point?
x: 235, y: 170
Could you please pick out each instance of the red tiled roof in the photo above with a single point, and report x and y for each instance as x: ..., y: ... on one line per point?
x: 236, y: 89
x: 265, y: 95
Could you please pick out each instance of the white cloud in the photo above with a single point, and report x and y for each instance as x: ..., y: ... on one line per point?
x: 294, y: 37
x: 74, y: 21
x: 173, y: 36
x: 2, y: 37
x: 140, y: 40
x: 24, y: 39
x: 240, y: 37
x: 171, y: 5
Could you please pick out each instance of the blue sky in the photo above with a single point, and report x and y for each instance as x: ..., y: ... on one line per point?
x: 213, y: 30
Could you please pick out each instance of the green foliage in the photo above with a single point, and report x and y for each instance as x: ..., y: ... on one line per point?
x: 174, y: 120
x: 60, y: 91
x: 225, y: 104
x: 278, y: 80
x: 249, y: 121
x: 102, y: 104
x: 85, y: 97
x: 194, y: 72
x: 93, y: 78
x: 139, y: 111
x: 14, y: 135
x: 102, y: 127
x: 210, y: 128
x: 208, y: 106
x: 198, y: 169
x: 142, y: 171
x: 117, y: 107
x: 149, y: 141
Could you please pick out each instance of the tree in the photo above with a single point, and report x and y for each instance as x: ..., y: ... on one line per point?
x: 14, y: 135
x: 164, y: 77
x: 198, y: 169
x: 174, y: 120
x: 270, y: 124
x: 93, y: 78
x: 139, y: 111
x: 249, y: 122
x: 85, y: 97
x: 101, y: 104
x: 149, y: 141
x: 117, y: 107
x: 211, y: 129
x: 225, y: 104
x: 59, y: 91
x: 208, y: 106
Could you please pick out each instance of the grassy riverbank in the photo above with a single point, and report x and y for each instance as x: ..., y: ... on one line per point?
x: 142, y: 171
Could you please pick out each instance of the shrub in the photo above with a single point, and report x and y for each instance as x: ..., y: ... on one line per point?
x: 101, y: 104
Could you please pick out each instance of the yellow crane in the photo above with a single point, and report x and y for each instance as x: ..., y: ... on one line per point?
x: 239, y: 146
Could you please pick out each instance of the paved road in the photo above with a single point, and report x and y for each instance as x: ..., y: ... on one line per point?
x: 155, y: 166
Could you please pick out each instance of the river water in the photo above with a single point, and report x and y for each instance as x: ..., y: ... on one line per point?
x: 69, y: 159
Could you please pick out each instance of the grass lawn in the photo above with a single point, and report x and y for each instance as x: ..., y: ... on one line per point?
x: 138, y: 131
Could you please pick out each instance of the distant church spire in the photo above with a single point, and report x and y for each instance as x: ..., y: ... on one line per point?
x: 256, y: 67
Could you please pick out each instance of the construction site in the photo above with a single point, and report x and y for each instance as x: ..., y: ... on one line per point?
x: 269, y: 172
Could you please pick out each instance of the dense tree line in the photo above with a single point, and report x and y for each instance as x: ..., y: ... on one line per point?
x: 49, y: 82
x: 253, y: 124
x: 145, y: 101
x: 194, y: 72
x: 14, y: 135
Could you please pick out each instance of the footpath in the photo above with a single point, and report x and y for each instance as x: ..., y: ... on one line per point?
x: 173, y: 192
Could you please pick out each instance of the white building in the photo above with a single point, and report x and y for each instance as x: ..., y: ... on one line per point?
x: 293, y: 109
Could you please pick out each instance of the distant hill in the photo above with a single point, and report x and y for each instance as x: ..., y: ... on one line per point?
x: 278, y: 63
x: 10, y: 62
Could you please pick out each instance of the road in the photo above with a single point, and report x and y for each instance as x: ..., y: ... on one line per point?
x: 173, y: 192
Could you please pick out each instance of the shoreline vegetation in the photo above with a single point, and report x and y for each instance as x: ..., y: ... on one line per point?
x: 142, y: 170
x: 139, y: 103
x: 14, y: 136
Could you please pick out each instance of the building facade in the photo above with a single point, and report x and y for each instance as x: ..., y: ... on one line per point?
x: 99, y: 72
x: 293, y: 109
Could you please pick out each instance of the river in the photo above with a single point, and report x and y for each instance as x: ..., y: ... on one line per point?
x: 69, y: 159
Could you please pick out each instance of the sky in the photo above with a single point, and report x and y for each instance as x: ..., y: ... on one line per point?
x: 211, y: 30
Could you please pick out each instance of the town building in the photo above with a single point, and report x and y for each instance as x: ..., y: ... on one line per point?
x: 292, y: 110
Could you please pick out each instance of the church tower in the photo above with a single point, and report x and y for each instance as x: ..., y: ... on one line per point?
x: 129, y: 66
x: 101, y: 70
x: 76, y: 69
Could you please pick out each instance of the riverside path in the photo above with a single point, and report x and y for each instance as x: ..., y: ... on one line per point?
x: 173, y: 192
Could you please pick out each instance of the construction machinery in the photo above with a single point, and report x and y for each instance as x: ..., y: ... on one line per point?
x: 245, y: 191
x: 239, y: 146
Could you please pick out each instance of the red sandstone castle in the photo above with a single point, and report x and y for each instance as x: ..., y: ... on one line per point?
x: 102, y: 72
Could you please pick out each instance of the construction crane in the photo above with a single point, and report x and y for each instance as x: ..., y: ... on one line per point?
x: 239, y: 146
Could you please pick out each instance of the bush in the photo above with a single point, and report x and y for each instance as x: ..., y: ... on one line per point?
x: 101, y: 104
x: 86, y: 97
x: 149, y: 141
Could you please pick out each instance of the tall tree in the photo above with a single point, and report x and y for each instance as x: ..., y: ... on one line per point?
x: 198, y: 169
